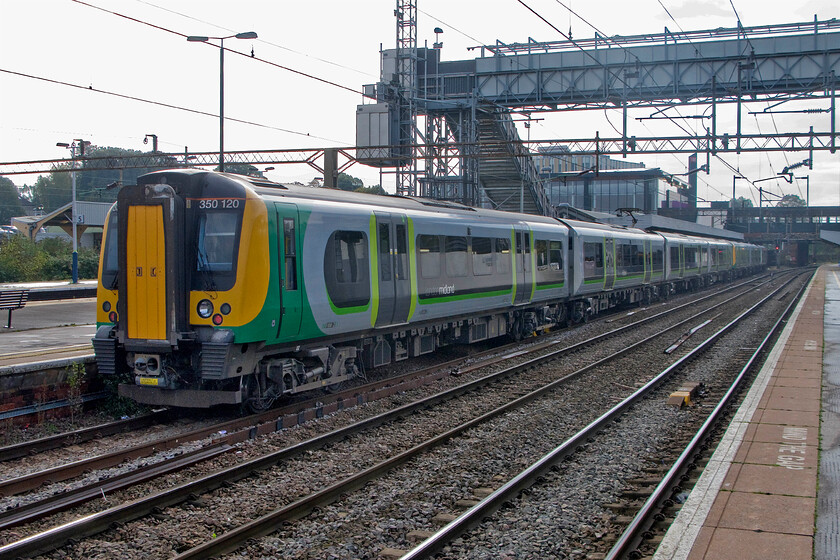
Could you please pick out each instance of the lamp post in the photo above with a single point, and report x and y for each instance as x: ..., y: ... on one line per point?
x: 734, y: 201
x: 203, y: 39
x: 807, y: 189
x: 80, y: 145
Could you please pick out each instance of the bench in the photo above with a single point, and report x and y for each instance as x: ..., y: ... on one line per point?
x: 11, y: 300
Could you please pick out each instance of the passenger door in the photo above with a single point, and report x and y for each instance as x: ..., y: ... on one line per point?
x: 522, y: 262
x: 290, y: 265
x: 609, y: 263
x: 648, y: 257
x: 393, y: 272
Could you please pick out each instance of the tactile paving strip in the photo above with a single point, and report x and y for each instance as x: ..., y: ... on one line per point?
x: 827, y: 538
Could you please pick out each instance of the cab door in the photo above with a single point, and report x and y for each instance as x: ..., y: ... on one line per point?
x: 151, y: 278
x: 146, y: 273
x: 290, y: 265
x: 393, y: 273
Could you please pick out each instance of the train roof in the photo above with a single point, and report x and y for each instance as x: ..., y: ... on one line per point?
x: 270, y: 189
x: 581, y: 226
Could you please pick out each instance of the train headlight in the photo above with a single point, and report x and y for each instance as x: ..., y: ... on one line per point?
x: 205, y: 308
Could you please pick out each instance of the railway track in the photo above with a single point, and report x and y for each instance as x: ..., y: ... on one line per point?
x: 244, y: 470
x: 257, y: 424
x: 657, y: 501
x: 647, y: 523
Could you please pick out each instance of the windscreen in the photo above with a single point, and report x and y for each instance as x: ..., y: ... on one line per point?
x: 217, y: 242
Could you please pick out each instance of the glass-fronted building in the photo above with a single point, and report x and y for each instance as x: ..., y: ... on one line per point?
x: 576, y: 180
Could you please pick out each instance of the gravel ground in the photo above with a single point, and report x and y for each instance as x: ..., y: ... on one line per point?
x: 367, y: 521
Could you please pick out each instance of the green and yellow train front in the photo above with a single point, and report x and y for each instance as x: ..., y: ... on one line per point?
x: 186, y: 272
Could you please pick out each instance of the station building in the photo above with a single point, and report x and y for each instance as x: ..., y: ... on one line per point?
x: 604, y: 184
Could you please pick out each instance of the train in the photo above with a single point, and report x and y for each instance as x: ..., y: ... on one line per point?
x: 220, y: 289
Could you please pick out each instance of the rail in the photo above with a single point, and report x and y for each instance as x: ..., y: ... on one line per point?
x: 635, y: 532
x: 474, y: 516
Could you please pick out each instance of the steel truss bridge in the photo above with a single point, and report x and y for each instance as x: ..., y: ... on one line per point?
x: 783, y: 223
x: 781, y: 226
x: 466, y: 105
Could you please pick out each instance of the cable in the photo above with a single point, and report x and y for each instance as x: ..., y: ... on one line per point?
x: 161, y: 104
x: 772, y: 116
x: 627, y: 52
x: 246, y: 55
x: 325, y: 61
x: 440, y: 21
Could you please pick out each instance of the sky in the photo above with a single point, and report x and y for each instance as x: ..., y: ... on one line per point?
x: 322, y: 52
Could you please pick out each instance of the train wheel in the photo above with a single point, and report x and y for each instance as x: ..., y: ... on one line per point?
x: 254, y: 400
x: 335, y: 387
x: 516, y: 331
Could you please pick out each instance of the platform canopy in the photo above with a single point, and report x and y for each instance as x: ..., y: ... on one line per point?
x: 88, y: 214
x: 830, y: 236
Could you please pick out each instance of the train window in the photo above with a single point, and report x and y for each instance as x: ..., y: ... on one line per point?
x: 401, y: 262
x: 428, y: 249
x: 346, y: 269
x: 657, y: 259
x: 675, y: 258
x: 639, y: 257
x: 630, y: 259
x: 456, y: 256
x: 593, y: 261
x: 290, y: 253
x: 482, y: 256
x: 350, y: 256
x: 691, y: 257
x: 502, y: 255
x: 555, y: 255
x: 110, y: 264
x: 523, y: 247
x: 217, y: 241
x: 541, y: 253
x: 622, y: 258
x: 385, y: 251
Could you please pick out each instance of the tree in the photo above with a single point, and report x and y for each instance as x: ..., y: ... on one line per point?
x: 741, y: 202
x: 10, y: 205
x: 243, y: 169
x: 347, y: 182
x: 91, y: 185
x: 375, y: 189
x: 790, y: 200
x: 54, y: 190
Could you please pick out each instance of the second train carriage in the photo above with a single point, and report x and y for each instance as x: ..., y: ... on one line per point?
x: 216, y: 288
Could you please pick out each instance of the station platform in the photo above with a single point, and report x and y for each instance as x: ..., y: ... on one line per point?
x: 47, y: 331
x: 772, y: 487
x: 48, y: 291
